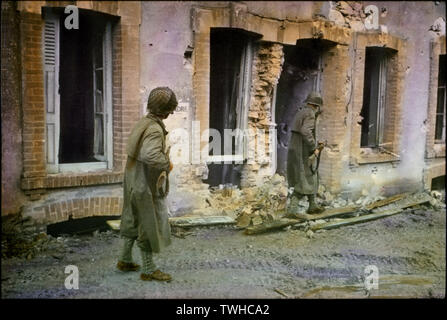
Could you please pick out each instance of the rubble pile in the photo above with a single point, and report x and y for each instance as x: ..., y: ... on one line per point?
x: 264, y: 203
x: 251, y: 205
x: 19, y: 237
x: 223, y: 200
x: 28, y: 246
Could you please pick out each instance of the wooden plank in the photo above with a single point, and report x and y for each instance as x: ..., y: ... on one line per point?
x: 193, y: 221
x: 425, y: 199
x: 328, y: 213
x: 386, y: 201
x: 190, y: 221
x: 114, y: 224
x: 271, y: 225
x: 350, y: 221
x: 369, y: 217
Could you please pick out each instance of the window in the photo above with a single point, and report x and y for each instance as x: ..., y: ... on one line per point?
x: 374, y: 96
x: 440, y: 108
x: 230, y: 71
x: 78, y: 93
x: 230, y: 78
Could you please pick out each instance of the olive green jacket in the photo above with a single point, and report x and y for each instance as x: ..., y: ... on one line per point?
x: 301, y: 146
x: 145, y: 215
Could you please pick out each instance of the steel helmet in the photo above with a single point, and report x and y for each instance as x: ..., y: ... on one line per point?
x: 161, y: 100
x: 314, y: 98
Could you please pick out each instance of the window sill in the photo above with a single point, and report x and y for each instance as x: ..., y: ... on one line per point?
x: 72, y: 179
x: 82, y: 168
x: 63, y: 180
x: 373, y: 155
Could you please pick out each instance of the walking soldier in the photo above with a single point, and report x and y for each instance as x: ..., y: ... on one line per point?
x: 144, y: 217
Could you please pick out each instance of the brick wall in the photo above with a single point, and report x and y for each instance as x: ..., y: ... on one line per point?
x: 332, y: 125
x: 76, y: 203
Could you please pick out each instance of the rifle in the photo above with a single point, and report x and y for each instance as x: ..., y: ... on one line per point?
x: 313, y: 157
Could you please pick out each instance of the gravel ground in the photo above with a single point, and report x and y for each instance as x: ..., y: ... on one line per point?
x: 221, y: 262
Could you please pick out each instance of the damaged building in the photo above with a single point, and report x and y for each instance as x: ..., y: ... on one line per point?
x: 71, y: 96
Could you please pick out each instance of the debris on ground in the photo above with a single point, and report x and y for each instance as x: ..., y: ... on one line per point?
x: 193, y: 221
x: 371, y: 211
x: 180, y: 232
x: 263, y: 209
x: 270, y: 225
x: 263, y: 204
x: 364, y: 209
x: 187, y: 221
x: 255, y: 209
x: 19, y: 240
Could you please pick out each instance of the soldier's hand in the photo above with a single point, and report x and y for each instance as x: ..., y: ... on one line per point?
x: 317, y: 152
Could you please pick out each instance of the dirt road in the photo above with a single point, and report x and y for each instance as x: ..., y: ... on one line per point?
x: 221, y: 262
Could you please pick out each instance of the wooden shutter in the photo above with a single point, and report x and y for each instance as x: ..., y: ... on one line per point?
x: 108, y: 94
x: 382, y: 99
x: 102, y: 75
x: 51, y: 86
x: 244, y: 97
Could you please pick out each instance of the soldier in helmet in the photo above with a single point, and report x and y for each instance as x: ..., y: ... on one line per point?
x: 303, y: 145
x: 144, y: 217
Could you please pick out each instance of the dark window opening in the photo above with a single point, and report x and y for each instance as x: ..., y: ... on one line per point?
x: 374, y: 96
x: 438, y: 183
x: 230, y: 71
x: 440, y: 108
x: 81, y: 90
x: 227, y: 47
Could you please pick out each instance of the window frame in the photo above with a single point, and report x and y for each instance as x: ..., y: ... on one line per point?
x: 390, y: 148
x: 52, y: 118
x: 434, y: 149
x: 242, y: 106
x: 375, y: 138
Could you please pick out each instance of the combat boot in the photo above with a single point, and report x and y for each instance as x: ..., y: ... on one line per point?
x: 125, y: 262
x: 313, y: 207
x: 148, y: 272
x: 294, y: 204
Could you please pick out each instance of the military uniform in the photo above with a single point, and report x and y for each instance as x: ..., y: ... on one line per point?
x: 301, y: 146
x: 144, y: 218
